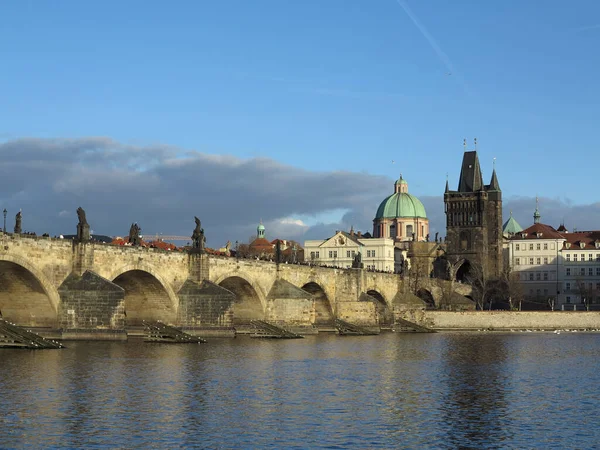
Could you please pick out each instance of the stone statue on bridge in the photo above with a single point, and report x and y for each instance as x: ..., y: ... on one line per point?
x: 83, y: 228
x: 134, y: 234
x: 357, y: 263
x: 18, y: 218
x: 198, y: 238
x: 278, y: 251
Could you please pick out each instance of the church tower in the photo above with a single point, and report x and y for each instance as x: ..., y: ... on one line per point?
x: 474, y: 218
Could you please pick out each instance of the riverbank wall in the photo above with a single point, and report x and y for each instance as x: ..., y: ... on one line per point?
x: 503, y: 320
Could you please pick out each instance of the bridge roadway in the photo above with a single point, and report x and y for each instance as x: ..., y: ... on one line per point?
x: 63, y: 284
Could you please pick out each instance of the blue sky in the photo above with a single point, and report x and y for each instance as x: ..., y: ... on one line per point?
x: 319, y: 85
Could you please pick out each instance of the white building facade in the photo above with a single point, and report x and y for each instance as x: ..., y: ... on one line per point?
x: 556, y: 266
x: 341, y: 249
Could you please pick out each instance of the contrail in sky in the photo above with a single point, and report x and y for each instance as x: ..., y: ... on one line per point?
x: 434, y: 45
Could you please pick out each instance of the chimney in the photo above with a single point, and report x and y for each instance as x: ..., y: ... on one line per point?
x: 358, y: 233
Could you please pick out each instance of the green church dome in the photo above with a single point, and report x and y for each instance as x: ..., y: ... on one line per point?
x: 401, y: 204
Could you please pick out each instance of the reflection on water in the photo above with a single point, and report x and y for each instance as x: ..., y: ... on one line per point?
x: 474, y: 379
x: 388, y: 391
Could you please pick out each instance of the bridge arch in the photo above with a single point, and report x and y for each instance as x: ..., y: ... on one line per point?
x: 148, y: 296
x: 27, y: 297
x: 461, y: 270
x: 385, y: 315
x: 324, y: 316
x: 427, y: 296
x: 249, y: 303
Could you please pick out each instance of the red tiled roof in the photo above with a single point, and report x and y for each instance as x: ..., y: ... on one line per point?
x: 262, y: 244
x: 547, y: 232
x: 588, y: 238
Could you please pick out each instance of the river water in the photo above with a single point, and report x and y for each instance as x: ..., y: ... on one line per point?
x: 443, y: 390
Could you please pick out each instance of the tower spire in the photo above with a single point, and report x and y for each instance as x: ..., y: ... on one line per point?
x: 494, y: 185
x: 447, y: 187
x: 536, y: 215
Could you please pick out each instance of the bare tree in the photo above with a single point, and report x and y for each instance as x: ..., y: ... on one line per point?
x: 512, y: 287
x: 482, y: 285
x: 584, y: 292
x: 447, y: 289
x: 417, y: 274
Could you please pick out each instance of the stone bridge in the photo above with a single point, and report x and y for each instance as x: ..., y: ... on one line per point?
x: 83, y: 287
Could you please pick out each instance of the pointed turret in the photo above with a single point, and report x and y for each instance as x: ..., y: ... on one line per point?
x: 470, y: 174
x: 494, y: 185
x: 447, y: 187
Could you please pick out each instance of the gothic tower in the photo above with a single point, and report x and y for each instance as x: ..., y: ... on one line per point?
x: 474, y: 219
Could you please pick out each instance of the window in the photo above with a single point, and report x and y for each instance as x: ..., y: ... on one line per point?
x: 598, y: 257
x: 517, y: 247
x: 591, y: 272
x: 409, y: 230
x: 568, y: 299
x: 517, y: 261
x: 568, y: 271
x: 567, y: 287
x: 335, y: 253
x: 347, y: 253
x: 312, y: 255
x: 598, y: 286
x: 538, y: 276
x: 538, y: 261
x: 317, y: 253
x: 583, y: 256
x: 530, y: 246
x: 530, y: 276
x: 373, y: 253
x: 368, y: 253
x: 590, y: 257
x: 546, y: 246
x: 568, y: 257
x: 574, y: 256
x: 545, y: 276
x: 598, y: 271
x: 538, y: 246
x: 546, y: 260
x: 531, y: 261
x: 330, y: 253
x: 582, y: 272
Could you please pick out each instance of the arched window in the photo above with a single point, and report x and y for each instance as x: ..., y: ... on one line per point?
x: 392, y: 231
x: 409, y: 230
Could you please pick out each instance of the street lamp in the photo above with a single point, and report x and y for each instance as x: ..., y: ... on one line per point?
x: 5, y: 219
x: 237, y: 253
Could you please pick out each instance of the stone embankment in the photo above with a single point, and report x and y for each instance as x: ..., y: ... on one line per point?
x: 504, y: 320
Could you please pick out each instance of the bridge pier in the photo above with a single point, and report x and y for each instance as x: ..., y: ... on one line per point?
x: 91, y: 307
